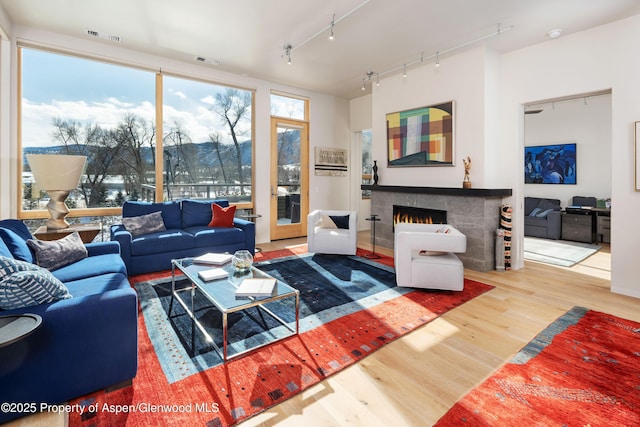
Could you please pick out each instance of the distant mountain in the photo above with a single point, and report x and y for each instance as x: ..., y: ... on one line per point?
x: 204, y: 151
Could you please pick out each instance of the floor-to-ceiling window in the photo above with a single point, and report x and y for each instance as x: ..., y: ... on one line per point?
x: 289, y: 166
x: 207, y: 140
x: 108, y: 113
x: 73, y: 105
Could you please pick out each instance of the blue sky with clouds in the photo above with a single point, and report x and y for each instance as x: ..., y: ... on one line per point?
x: 57, y: 85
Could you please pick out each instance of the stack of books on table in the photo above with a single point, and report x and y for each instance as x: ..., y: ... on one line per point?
x: 213, y: 259
x: 256, y: 287
x: 213, y: 274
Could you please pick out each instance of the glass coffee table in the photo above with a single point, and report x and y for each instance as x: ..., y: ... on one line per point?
x: 222, y: 294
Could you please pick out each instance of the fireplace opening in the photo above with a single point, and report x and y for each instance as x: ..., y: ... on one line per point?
x: 418, y: 215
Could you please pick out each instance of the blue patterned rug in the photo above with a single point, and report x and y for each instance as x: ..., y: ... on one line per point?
x: 330, y: 286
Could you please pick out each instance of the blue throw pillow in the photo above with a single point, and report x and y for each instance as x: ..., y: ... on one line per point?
x: 544, y: 213
x: 341, y: 221
x: 4, y: 250
x: 16, y: 244
x: 535, y: 212
x: 18, y: 227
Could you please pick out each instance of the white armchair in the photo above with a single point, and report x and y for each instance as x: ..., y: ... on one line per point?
x: 322, y: 237
x: 424, y: 256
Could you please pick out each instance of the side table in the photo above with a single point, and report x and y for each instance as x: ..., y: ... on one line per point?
x: 373, y: 218
x: 16, y: 327
x: 252, y: 217
x: 87, y: 232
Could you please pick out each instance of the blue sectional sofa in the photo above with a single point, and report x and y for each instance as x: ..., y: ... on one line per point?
x: 85, y: 343
x: 186, y: 233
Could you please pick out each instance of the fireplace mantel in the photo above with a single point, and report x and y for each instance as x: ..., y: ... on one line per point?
x: 447, y: 191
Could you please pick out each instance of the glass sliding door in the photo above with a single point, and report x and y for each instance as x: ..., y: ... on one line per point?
x: 289, y: 178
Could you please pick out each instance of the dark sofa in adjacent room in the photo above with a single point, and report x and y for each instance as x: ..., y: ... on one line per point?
x: 542, y: 218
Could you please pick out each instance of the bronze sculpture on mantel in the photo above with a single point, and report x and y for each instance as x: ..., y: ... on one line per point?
x: 466, y: 182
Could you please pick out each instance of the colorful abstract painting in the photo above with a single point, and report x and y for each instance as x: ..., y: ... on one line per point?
x: 421, y: 137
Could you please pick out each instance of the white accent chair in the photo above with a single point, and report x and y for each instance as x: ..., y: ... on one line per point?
x: 341, y: 241
x: 438, y: 267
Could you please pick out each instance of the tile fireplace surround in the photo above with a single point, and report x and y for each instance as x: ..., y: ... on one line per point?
x: 473, y: 211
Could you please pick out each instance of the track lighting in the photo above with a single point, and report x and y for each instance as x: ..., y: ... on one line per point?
x: 289, y: 49
x: 333, y: 23
x: 435, y: 56
x: 367, y: 77
x: 287, y: 53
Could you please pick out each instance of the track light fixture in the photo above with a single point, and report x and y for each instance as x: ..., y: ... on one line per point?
x: 435, y: 56
x: 367, y: 78
x: 287, y: 53
x: 333, y: 23
x: 289, y: 49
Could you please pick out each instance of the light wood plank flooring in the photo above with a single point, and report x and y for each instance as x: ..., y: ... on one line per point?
x: 416, y: 379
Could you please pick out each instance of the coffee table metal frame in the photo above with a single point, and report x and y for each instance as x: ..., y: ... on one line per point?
x: 221, y: 293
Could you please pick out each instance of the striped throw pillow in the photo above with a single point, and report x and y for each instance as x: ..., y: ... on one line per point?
x: 23, y: 285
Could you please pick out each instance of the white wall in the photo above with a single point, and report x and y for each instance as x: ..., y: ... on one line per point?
x: 585, y: 121
x: 490, y: 92
x: 329, y: 127
x: 360, y: 119
x: 6, y: 191
x: 590, y: 61
x: 460, y: 78
x: 329, y: 119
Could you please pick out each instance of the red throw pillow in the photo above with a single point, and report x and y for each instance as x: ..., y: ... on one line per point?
x: 222, y: 217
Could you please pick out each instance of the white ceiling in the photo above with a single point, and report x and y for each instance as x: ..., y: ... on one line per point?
x: 248, y: 36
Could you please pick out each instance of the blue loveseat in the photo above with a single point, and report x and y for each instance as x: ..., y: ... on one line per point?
x: 186, y: 234
x: 85, y: 343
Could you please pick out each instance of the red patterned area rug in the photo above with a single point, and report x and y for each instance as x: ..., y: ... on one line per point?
x: 226, y: 394
x: 582, y: 370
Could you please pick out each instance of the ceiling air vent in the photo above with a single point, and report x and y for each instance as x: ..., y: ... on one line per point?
x: 110, y: 37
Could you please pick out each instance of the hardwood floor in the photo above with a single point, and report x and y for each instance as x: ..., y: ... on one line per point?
x: 417, y: 378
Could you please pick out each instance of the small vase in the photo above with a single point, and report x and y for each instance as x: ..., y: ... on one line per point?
x: 242, y: 260
x: 375, y: 172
